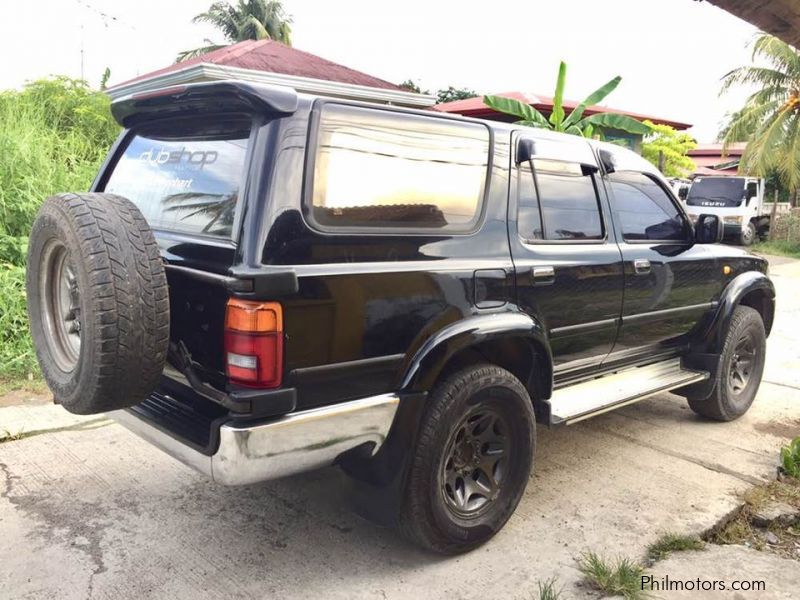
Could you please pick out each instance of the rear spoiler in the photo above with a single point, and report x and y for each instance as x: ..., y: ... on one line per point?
x: 200, y: 98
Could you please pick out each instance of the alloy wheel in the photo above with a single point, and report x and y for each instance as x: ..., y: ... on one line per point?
x: 474, y: 468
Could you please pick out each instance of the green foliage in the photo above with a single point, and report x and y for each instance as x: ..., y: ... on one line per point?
x: 673, y: 542
x: 451, y: 94
x: 17, y: 358
x: 411, y: 86
x: 54, y: 134
x: 104, y: 79
x: 778, y: 248
x: 247, y: 20
x: 674, y: 146
x: 574, y: 123
x: 790, y: 458
x: 548, y: 590
x: 622, y: 577
x: 770, y: 119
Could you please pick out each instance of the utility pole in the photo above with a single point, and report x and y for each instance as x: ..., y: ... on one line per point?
x: 82, y: 77
x: 772, y: 216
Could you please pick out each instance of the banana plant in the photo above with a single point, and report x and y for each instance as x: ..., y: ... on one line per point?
x: 574, y: 123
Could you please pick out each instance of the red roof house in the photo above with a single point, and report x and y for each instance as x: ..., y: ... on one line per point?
x: 271, y: 62
x: 474, y: 107
x: 710, y: 159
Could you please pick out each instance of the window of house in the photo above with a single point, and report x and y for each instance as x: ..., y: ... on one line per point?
x: 644, y: 210
x: 560, y: 203
x: 379, y: 169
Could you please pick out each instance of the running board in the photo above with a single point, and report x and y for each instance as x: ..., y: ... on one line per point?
x: 577, y: 402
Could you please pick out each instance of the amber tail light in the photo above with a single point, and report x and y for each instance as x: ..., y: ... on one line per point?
x: 254, y: 343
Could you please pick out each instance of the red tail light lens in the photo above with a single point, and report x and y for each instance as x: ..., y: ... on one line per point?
x: 254, y: 343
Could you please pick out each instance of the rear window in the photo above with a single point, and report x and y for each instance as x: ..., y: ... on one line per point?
x: 379, y: 169
x: 181, y: 182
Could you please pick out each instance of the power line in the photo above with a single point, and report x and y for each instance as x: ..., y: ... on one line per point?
x: 106, y: 17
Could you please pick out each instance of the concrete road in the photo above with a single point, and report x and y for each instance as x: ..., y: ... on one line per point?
x: 89, y: 510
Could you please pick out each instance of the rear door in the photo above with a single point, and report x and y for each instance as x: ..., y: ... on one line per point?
x: 186, y: 177
x: 670, y: 282
x: 567, y: 264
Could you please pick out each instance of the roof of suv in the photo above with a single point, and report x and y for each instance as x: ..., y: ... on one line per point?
x: 236, y: 94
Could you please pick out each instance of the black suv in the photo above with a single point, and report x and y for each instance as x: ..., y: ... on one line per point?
x: 263, y: 282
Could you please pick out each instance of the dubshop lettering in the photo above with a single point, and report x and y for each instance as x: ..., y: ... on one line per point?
x: 197, y: 158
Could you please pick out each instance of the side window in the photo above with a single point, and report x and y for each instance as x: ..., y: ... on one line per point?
x: 378, y: 169
x: 559, y: 203
x: 644, y: 210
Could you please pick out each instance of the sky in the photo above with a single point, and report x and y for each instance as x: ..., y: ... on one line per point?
x: 671, y: 54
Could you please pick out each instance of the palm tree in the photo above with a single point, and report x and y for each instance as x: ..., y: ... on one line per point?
x: 770, y: 119
x: 219, y: 209
x: 574, y: 123
x: 248, y: 20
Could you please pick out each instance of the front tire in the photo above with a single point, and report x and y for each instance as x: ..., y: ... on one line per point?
x: 472, y: 461
x: 748, y: 235
x: 739, y: 368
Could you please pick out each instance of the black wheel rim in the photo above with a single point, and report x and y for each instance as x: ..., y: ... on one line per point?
x: 475, y: 463
x: 743, y: 363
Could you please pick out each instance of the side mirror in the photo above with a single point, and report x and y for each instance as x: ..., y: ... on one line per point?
x: 608, y: 161
x: 526, y: 150
x: 683, y: 192
x: 708, y: 229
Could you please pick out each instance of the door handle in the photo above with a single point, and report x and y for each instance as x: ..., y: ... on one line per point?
x: 543, y: 275
x: 641, y: 266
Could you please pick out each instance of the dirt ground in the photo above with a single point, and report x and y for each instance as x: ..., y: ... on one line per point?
x: 89, y: 510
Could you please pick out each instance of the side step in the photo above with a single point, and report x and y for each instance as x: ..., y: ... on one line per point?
x: 589, y: 398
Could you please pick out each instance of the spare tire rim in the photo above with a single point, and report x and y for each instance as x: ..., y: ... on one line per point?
x: 474, y: 466
x: 60, y: 301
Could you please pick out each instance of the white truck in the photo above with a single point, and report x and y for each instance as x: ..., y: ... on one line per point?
x: 738, y: 201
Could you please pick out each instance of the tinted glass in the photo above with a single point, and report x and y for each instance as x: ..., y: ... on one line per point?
x: 567, y: 201
x: 644, y: 209
x: 375, y: 168
x: 529, y: 216
x: 189, y: 185
x: 716, y: 191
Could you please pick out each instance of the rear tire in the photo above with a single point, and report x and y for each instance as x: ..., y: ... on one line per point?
x: 98, y: 302
x: 472, y: 461
x: 739, y: 369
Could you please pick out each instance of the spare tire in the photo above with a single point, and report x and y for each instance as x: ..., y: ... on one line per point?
x: 98, y: 302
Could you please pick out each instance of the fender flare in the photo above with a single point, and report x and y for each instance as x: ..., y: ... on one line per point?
x: 426, y: 364
x: 714, y: 335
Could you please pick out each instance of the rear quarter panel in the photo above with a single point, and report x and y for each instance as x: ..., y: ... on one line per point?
x: 366, y: 302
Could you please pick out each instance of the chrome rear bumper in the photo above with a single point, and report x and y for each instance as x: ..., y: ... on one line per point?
x: 292, y: 444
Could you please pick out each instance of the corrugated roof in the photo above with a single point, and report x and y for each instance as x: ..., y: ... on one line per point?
x: 474, y: 107
x: 275, y: 57
x: 736, y: 149
x: 781, y: 18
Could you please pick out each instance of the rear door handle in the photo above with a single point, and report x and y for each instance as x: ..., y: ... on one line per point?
x: 543, y: 275
x: 641, y: 266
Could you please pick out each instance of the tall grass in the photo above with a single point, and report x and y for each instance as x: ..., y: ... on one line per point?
x: 54, y: 135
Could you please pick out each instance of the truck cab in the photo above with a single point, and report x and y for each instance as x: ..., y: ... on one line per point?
x: 737, y: 201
